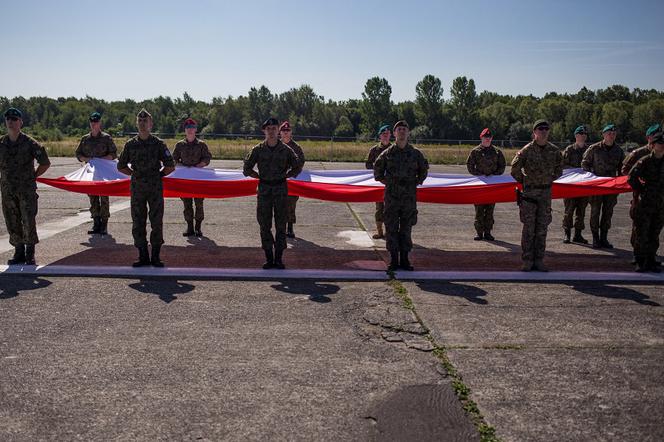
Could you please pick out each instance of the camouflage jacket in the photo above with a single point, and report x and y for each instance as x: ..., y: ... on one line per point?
x: 572, y: 155
x: 275, y: 164
x: 401, y: 169
x: 603, y: 160
x: 96, y: 147
x: 373, y: 154
x: 633, y: 158
x: 486, y: 161
x: 190, y: 154
x: 146, y: 158
x: 17, y: 162
x: 647, y: 179
x: 298, y: 151
x: 536, y: 165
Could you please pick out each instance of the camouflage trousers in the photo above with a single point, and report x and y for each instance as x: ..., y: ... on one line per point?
x: 20, y: 212
x: 647, y: 226
x: 484, y: 217
x: 380, y: 209
x: 535, y: 214
x: 147, y: 203
x: 400, y: 216
x: 292, y: 204
x: 601, y: 211
x: 188, y: 212
x: 575, y: 206
x: 269, y: 206
x: 99, y: 207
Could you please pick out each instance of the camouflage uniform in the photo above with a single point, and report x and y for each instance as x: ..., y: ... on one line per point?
x: 629, y: 162
x: 369, y: 164
x: 536, y: 168
x: 19, y: 188
x: 97, y: 147
x: 146, y: 158
x: 485, y: 161
x: 292, y: 200
x: 647, y: 180
x: 603, y: 161
x: 572, y: 156
x: 402, y: 170
x: 190, y: 154
x: 275, y: 165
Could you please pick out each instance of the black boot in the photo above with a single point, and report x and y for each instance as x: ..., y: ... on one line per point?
x: 190, y: 229
x: 640, y: 266
x: 289, y: 231
x: 394, y: 261
x: 596, y: 242
x: 96, y: 221
x: 103, y: 226
x: 479, y: 236
x: 651, y: 265
x: 197, y: 229
x: 19, y: 255
x: 578, y: 238
x: 143, y: 257
x: 404, y: 263
x: 488, y: 236
x: 567, y: 236
x: 155, y: 261
x: 603, y: 239
x: 278, y: 263
x: 29, y: 254
x: 269, y: 259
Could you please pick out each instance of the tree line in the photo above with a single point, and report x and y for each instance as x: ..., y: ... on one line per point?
x: 430, y: 116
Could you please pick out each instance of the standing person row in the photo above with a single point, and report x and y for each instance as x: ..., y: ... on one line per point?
x: 572, y: 157
x: 286, y: 135
x: 384, y: 135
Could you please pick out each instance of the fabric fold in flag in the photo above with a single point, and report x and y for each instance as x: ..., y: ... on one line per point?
x: 101, y: 177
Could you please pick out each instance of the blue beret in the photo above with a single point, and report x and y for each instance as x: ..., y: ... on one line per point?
x: 609, y: 127
x: 654, y: 129
x: 383, y: 128
x: 580, y: 130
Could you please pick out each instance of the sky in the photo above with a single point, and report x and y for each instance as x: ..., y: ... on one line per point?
x: 142, y: 49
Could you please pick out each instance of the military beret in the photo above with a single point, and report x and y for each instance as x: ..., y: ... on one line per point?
x: 285, y: 126
x: 654, y: 130
x: 486, y: 133
x: 383, y: 128
x: 13, y: 112
x: 540, y: 122
x: 580, y: 130
x: 144, y: 114
x: 95, y: 116
x: 270, y: 122
x: 190, y: 122
x: 401, y: 123
x: 609, y: 127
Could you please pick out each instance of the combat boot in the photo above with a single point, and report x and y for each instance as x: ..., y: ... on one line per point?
x: 578, y: 238
x: 190, y: 229
x: 278, y: 263
x: 567, y: 236
x: 479, y: 236
x: 640, y: 266
x: 143, y: 257
x: 29, y: 254
x: 19, y: 255
x: 488, y: 236
x: 539, y: 266
x: 155, y: 261
x: 197, y: 229
x: 394, y: 261
x: 103, y: 226
x: 526, y: 266
x: 651, y: 265
x: 379, y: 231
x: 404, y: 262
x: 96, y: 221
x: 603, y: 239
x: 269, y: 259
x: 596, y: 242
x: 289, y: 231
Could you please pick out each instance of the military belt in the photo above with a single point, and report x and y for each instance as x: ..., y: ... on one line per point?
x: 273, y: 182
x: 540, y: 187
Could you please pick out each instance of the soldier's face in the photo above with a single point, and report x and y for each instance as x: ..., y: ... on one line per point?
x: 95, y: 126
x: 271, y: 132
x: 13, y: 123
x: 541, y: 134
x: 609, y: 136
x: 486, y: 141
x: 190, y: 132
x: 658, y: 149
x: 286, y: 135
x: 144, y: 124
x: 385, y: 137
x: 581, y: 138
x: 401, y: 133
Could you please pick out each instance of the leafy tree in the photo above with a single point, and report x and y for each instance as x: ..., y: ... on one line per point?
x: 429, y: 104
x: 376, y: 106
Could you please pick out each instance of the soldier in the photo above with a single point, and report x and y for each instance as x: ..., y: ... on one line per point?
x: 401, y: 167
x: 147, y: 154
x: 97, y: 144
x: 486, y: 159
x: 629, y: 162
x: 647, y: 180
x: 572, y: 156
x: 536, y: 167
x: 285, y: 133
x: 603, y: 159
x: 18, y: 187
x: 384, y: 135
x: 192, y: 152
x: 276, y: 162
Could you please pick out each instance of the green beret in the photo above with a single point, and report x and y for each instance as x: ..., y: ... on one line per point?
x: 383, y: 128
x: 653, y: 130
x: 13, y: 112
x: 144, y: 114
x: 658, y: 138
x: 95, y: 116
x: 540, y: 122
x: 401, y: 123
x: 580, y: 130
x: 609, y: 127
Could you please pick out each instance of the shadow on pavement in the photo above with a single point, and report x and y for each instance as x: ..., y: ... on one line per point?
x: 12, y: 286
x: 615, y: 292
x: 471, y: 293
x: 165, y: 289
x: 317, y: 291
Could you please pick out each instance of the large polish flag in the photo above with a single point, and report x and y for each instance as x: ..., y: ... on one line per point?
x: 101, y: 177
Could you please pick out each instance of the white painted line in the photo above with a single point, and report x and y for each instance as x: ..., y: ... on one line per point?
x: 53, y: 228
x: 529, y: 276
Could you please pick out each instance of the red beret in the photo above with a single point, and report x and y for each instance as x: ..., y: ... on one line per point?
x: 486, y: 133
x: 190, y: 122
x: 285, y: 126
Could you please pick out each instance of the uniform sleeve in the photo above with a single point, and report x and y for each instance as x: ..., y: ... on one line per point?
x: 628, y: 163
x: 123, y: 161
x: 471, y: 163
x: 250, y: 162
x: 371, y: 159
x: 177, y: 154
x: 566, y: 157
x: 501, y: 163
x: 422, y: 168
x: 294, y: 163
x: 300, y: 154
x: 379, y: 167
x: 635, y: 175
x: 587, y: 161
x: 558, y: 169
x: 79, y: 149
x: 165, y: 156
x: 206, y: 156
x: 112, y: 149
x: 39, y: 153
x: 517, y: 166
x: 622, y: 160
